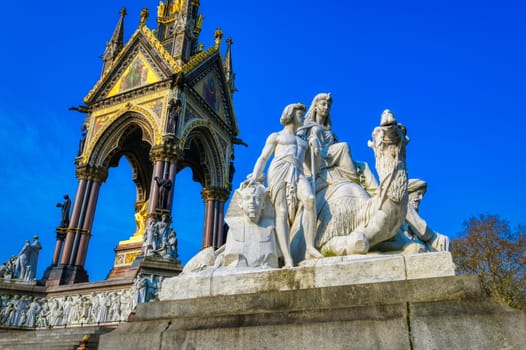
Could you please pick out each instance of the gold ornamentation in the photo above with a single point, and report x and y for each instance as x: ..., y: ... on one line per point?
x: 166, y: 152
x: 144, y: 16
x: 140, y: 219
x: 218, y: 35
x: 89, y: 172
x: 130, y: 257
x: 176, y: 6
x: 215, y: 194
x: 160, y: 10
x: 196, y: 59
x: 174, y: 66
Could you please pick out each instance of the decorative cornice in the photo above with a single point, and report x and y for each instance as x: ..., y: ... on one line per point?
x: 198, y: 58
x: 215, y: 194
x: 89, y: 172
x: 176, y: 68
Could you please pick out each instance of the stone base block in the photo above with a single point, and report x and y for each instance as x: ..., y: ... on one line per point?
x: 431, y: 313
x: 315, y: 273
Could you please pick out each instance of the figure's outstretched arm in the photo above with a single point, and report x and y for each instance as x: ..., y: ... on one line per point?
x: 268, y: 150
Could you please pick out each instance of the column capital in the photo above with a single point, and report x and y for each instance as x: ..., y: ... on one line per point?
x: 215, y: 193
x: 89, y: 172
x: 168, y: 151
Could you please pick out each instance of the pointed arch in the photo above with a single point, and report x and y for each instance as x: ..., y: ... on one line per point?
x: 202, y: 152
x: 132, y: 135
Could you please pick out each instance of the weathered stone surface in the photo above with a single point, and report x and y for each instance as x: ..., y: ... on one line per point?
x: 428, y: 265
x: 435, y: 313
x: 314, y: 273
x: 471, y: 324
x: 53, y: 338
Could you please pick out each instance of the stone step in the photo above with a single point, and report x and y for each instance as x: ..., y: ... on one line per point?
x: 51, y: 339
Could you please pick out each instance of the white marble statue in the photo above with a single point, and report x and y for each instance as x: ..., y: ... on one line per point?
x: 353, y: 212
x: 36, y: 247
x: 160, y: 239
x: 415, y: 236
x: 24, y: 262
x: 24, y: 265
x: 251, y: 240
x: 150, y: 239
x: 287, y: 183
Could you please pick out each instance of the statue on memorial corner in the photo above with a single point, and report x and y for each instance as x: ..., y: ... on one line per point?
x: 8, y: 269
x: 287, y: 183
x: 36, y: 247
x: 160, y: 239
x: 353, y: 212
x: 64, y: 222
x: 150, y: 239
x: 24, y: 262
x: 414, y: 235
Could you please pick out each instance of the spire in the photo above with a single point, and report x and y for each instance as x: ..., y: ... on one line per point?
x: 228, y: 67
x: 178, y: 27
x: 114, y: 46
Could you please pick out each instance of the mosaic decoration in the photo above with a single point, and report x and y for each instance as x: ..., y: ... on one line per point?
x: 138, y: 73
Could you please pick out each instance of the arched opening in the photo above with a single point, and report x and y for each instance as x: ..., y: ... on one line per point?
x: 114, y: 219
x: 126, y: 155
x: 188, y: 212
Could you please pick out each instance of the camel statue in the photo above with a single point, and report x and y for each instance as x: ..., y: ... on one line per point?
x: 353, y: 212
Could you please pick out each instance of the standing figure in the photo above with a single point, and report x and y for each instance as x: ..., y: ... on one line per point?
x: 286, y: 181
x: 174, y: 109
x: 163, y: 228
x: 64, y: 222
x: 36, y: 247
x: 32, y: 312
x: 165, y: 185
x: 150, y: 239
x: 24, y: 261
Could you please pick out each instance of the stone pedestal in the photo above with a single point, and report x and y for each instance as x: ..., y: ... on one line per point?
x: 64, y: 274
x: 125, y: 254
x: 305, y: 309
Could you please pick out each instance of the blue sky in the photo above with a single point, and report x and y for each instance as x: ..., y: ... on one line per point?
x: 452, y: 72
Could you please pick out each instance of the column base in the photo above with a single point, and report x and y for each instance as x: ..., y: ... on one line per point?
x: 62, y: 274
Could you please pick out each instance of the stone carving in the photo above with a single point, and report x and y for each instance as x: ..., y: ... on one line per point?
x: 64, y: 221
x: 36, y: 247
x: 354, y: 213
x: 160, y: 239
x: 8, y: 269
x: 24, y: 262
x: 287, y: 184
x: 32, y: 312
x: 327, y: 201
x: 145, y: 288
x: 80, y: 309
x: 251, y: 240
x: 150, y: 239
x: 414, y: 235
x: 23, y: 266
